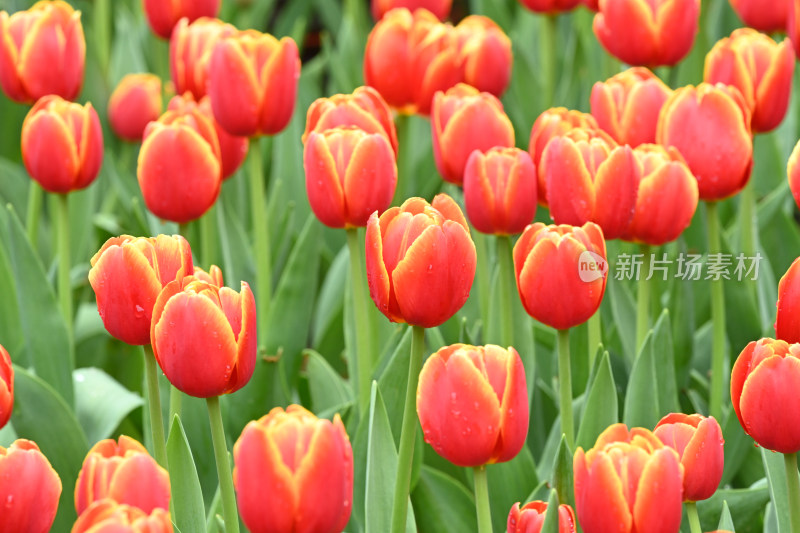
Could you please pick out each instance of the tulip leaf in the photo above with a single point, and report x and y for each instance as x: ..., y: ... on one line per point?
x: 393, y: 380
x: 664, y: 365
x: 746, y: 506
x: 442, y: 504
x: 187, y: 498
x: 561, y: 477
x: 641, y: 397
x: 623, y: 309
x: 737, y: 446
x: 725, y: 519
x: 329, y: 391
x: 508, y: 482
x: 101, y: 403
x: 327, y: 324
x: 600, y: 408
x: 550, y: 524
x: 778, y: 492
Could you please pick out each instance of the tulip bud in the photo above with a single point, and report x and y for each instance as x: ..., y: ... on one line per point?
x: 190, y: 50
x: 500, y: 190
x: 252, y: 81
x: 462, y: 120
x: 135, y: 102
x: 472, y: 403
x: 561, y: 272
x: 29, y: 489
x: 163, y: 15
x: 787, y: 320
x: 42, y: 52
x: 760, y: 68
x: 439, y: 8
x: 192, y: 318
x: 350, y: 174
x: 486, y: 52
x: 793, y: 174
x: 628, y: 482
x: 530, y: 518
x: 303, y: 463
x: 550, y: 7
x: 768, y: 17
x: 764, y: 383
x: 6, y: 387
x: 62, y: 144
x: 420, y: 261
x: 649, y: 33
x: 110, y: 516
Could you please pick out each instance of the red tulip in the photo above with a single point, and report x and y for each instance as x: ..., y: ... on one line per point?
x: 163, y: 15
x: 530, y: 518
x: 650, y: 33
x: 62, y: 144
x: 440, y: 8
x: 561, y: 272
x: 793, y: 174
x: 349, y: 175
x: 29, y: 489
x: 698, y: 441
x: 787, y: 320
x: 193, y: 319
x: 629, y: 482
x: 593, y: 5
x: 135, y: 102
x: 303, y: 463
x: 486, y: 54
x: 420, y: 261
x: 472, y: 403
x: 124, y: 472
x: 768, y: 17
x: 792, y: 26
x: 500, y: 190
x: 760, y: 68
x: 764, y: 384
x: 6, y: 387
x: 42, y: 52
x: 108, y: 516
x: 462, y: 120
x: 190, y: 53
x: 550, y: 6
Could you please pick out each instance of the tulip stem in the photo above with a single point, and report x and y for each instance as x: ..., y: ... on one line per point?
x: 229, y: 512
x: 717, y: 317
x: 260, y: 237
x: 408, y: 433
x: 207, y: 239
x: 506, y: 282
x: 565, y: 387
x: 64, y: 286
x: 35, y: 194
x: 482, y: 499
x: 643, y: 298
x: 549, y: 48
x: 484, y: 280
x: 793, y: 484
x: 154, y: 405
x: 358, y: 279
x: 595, y: 336
x: 694, y: 518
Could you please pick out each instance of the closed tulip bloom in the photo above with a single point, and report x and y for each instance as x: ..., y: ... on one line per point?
x: 42, y: 51
x: 305, y: 467
x: 62, y: 144
x: 793, y: 173
x: 500, y: 190
x: 29, y: 489
x: 787, y: 320
x: 420, y: 261
x: 163, y: 15
x: 204, y: 336
x: 190, y: 53
x: 627, y: 105
x: 6, y: 387
x: 760, y: 68
x: 530, y: 518
x: 134, y: 103
x: 486, y: 53
x: 559, y: 283
x: 709, y: 125
x: 649, y: 33
x: 667, y: 197
x: 472, y: 403
x: 462, y: 120
x: 179, y: 169
x: 124, y: 472
x: 768, y: 17
x: 764, y: 383
x: 127, y: 276
x: 550, y: 6
x: 252, y: 81
x: 440, y: 8
x: 629, y: 482
x: 108, y: 516
x: 350, y: 174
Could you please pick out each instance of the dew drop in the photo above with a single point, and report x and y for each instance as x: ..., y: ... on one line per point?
x: 139, y: 313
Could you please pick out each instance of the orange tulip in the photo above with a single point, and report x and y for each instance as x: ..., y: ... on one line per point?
x: 135, y: 102
x: 440, y: 8
x: 303, y: 463
x: 163, y: 15
x: 787, y: 320
x: 29, y: 489
x: 42, y: 51
x: 793, y: 173
x: 760, y: 68
x: 190, y: 50
x: 550, y: 6
x: 486, y: 54
x: 768, y: 17
x: 530, y: 518
x: 6, y: 387
x: 106, y: 516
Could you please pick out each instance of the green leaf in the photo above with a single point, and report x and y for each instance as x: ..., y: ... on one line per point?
x: 508, y: 482
x: 393, y: 380
x: 600, y: 409
x: 641, y: 398
x: 188, y: 509
x: 328, y: 390
x: 550, y: 524
x: 664, y: 365
x: 442, y: 504
x: 623, y: 309
x: 746, y: 505
x: 725, y: 519
x: 778, y: 492
x: 101, y: 403
x: 561, y: 477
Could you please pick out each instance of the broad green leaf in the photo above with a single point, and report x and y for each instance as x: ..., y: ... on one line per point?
x: 778, y: 492
x: 101, y: 403
x: 664, y: 365
x: 7, y: 435
x: 442, y: 504
x: 508, y: 482
x: 550, y: 524
x: 328, y: 390
x: 393, y: 380
x: 188, y: 509
x: 623, y: 308
x: 561, y: 477
x: 737, y: 446
x: 641, y: 398
x: 725, y: 519
x: 600, y: 409
x: 746, y: 505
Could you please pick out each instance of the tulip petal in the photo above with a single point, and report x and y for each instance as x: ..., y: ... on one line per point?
x: 570, y: 191
x: 234, y: 89
x: 599, y: 497
x: 323, y: 183
x: 787, y: 320
x: 514, y: 407
x: 279, y: 84
x: 377, y: 275
x: 370, y: 179
x: 246, y: 337
x: 658, y: 496
x: 703, y: 461
x: 140, y: 482
x: 616, y: 187
x: 49, y: 151
x: 33, y: 503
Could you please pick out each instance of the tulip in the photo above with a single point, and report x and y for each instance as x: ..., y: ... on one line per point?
x: 530, y: 518
x: 192, y: 319
x: 486, y: 52
x: 764, y: 383
x: 179, y: 168
x: 303, y: 463
x: 135, y: 102
x: 190, y: 50
x: 709, y: 125
x: 439, y: 8
x: 42, y: 52
x: 590, y: 178
x: 6, y: 387
x: 593, y: 5
x: 29, y: 489
x: 349, y: 175
x: 698, y: 441
x: 667, y: 197
x: 550, y: 7
x: 252, y: 81
x: 124, y: 472
x: 793, y: 174
x: 768, y: 17
x: 62, y: 144
x: 213, y: 276
x: 462, y: 120
x: 627, y: 105
x: 500, y: 190
x: 163, y: 15
x: 792, y: 27
x: 420, y: 261
x: 650, y: 33
x: 760, y: 68
x: 628, y: 482
x: 559, y: 283
x: 109, y: 516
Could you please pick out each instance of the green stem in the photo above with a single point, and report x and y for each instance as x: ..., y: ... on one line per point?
x: 358, y: 280
x: 207, y: 238
x: 793, y: 484
x: 260, y: 237
x: 406, y: 179
x: 549, y: 47
x: 643, y: 298
x: 717, y: 317
x: 482, y: 500
x: 595, y: 336
x: 102, y: 33
x: 183, y: 230
x: 484, y: 281
x: 747, y: 219
x: 506, y: 282
x: 223, y: 466
x: 175, y: 401
x: 64, y: 286
x: 35, y: 194
x: 408, y: 433
x: 565, y: 387
x: 694, y: 518
x: 154, y: 405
